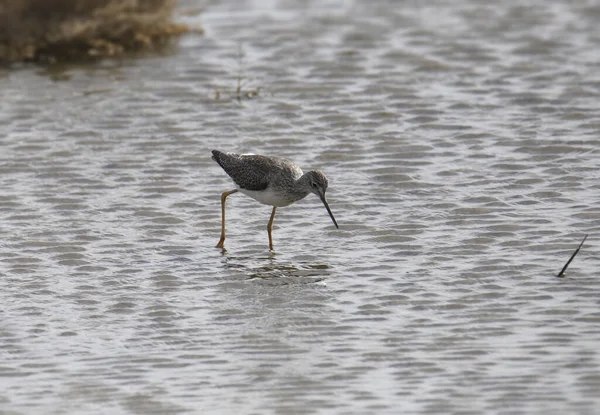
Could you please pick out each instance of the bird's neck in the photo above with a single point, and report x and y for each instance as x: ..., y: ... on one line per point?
x: 301, y: 187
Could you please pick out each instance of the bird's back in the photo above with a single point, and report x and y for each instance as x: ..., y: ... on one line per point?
x: 255, y: 172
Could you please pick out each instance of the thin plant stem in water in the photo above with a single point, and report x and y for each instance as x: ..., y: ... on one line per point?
x: 562, y: 271
x: 239, y: 78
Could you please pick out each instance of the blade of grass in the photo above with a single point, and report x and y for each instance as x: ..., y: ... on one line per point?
x: 562, y: 271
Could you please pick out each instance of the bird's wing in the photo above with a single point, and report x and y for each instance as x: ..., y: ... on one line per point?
x: 249, y: 172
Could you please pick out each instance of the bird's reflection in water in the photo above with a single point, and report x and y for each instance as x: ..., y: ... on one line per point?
x: 287, y: 274
x: 271, y: 269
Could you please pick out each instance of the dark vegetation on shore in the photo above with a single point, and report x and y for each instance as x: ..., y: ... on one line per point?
x: 63, y: 30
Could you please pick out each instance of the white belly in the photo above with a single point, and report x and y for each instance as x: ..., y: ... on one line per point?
x: 267, y: 197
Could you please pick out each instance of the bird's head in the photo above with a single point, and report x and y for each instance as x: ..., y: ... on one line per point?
x: 317, y: 182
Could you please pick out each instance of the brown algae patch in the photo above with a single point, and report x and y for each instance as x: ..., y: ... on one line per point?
x: 60, y: 30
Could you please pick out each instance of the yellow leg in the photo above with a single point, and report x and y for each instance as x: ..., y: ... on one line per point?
x: 223, y: 197
x: 270, y: 228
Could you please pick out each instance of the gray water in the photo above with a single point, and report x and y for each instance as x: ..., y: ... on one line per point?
x: 461, y: 141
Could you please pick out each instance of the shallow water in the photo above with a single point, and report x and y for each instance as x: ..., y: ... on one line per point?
x: 461, y: 144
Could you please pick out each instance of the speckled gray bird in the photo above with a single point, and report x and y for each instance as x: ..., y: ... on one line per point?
x: 272, y: 181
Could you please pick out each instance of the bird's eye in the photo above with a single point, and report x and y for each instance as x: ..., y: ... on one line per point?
x: 313, y: 184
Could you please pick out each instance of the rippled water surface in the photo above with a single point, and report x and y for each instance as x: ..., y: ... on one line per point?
x: 461, y: 141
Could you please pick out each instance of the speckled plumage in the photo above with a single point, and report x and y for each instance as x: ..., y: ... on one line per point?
x: 272, y: 181
x: 278, y: 180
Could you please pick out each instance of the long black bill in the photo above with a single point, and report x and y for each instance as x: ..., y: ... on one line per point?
x: 328, y: 210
